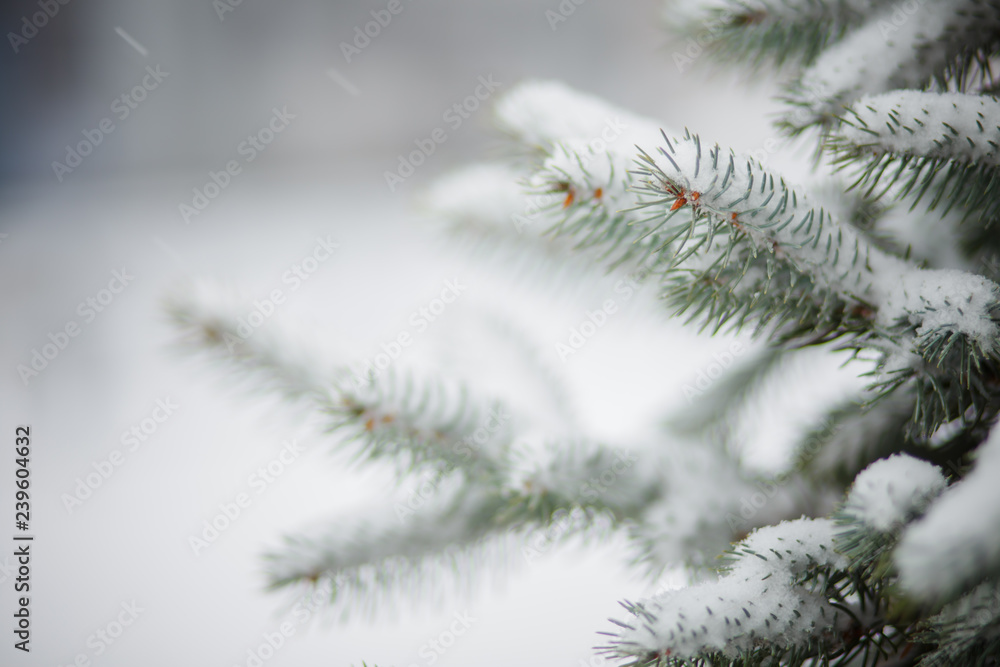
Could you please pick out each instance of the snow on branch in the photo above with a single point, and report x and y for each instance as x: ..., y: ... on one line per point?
x: 706, y: 501
x: 885, y: 496
x: 768, y: 253
x: 931, y: 566
x: 953, y: 126
x: 945, y: 143
x: 584, y: 474
x: 965, y: 630
x: 579, y: 488
x: 933, y: 43
x: 370, y: 559
x: 492, y: 202
x: 734, y: 197
x: 890, y: 492
x: 854, y: 433
x: 213, y: 319
x: 761, y: 31
x: 779, y: 598
x: 416, y: 421
x: 586, y: 148
x: 421, y: 423
x: 542, y: 114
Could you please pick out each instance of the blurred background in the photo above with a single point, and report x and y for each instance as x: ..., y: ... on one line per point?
x: 115, y: 115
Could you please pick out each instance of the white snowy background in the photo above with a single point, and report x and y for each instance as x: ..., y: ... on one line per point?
x: 322, y: 176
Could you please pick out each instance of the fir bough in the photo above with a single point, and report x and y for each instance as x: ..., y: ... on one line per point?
x: 880, y: 544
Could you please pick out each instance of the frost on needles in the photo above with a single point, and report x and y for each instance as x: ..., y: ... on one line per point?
x: 779, y: 595
x: 879, y: 542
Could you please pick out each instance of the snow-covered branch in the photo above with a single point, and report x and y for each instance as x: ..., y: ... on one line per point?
x: 779, y: 598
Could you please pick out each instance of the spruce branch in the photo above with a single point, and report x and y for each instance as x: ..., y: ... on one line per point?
x: 207, y: 318
x: 420, y: 423
x: 486, y: 491
x: 563, y: 475
x: 583, y: 160
x: 942, y: 145
x: 964, y: 632
x: 930, y: 568
x: 785, y: 597
x: 885, y: 496
x: 857, y: 432
x: 718, y: 404
x: 416, y: 422
x: 579, y: 488
x: 937, y: 44
x: 765, y: 32
x: 702, y: 507
x: 365, y: 562
x: 768, y: 254
x: 491, y: 207
x: 747, y: 224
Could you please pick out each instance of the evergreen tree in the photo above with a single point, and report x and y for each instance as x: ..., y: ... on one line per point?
x: 899, y: 268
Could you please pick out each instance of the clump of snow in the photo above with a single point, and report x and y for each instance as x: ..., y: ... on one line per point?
x: 957, y: 541
x: 789, y: 548
x: 483, y: 191
x: 942, y: 125
x: 879, y: 56
x: 545, y: 113
x: 493, y: 196
x: 890, y: 491
x: 945, y: 298
x: 589, y: 145
x: 760, y: 599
